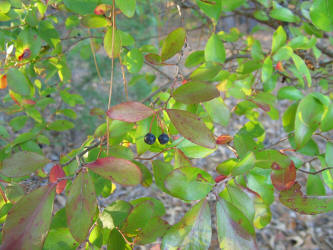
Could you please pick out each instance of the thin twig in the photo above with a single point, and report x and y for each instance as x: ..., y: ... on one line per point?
x: 124, y: 78
x: 94, y: 56
x: 316, y: 172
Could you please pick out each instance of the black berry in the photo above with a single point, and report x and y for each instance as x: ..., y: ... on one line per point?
x: 163, y: 138
x: 150, y: 138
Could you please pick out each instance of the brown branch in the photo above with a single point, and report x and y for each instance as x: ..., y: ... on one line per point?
x: 316, y: 172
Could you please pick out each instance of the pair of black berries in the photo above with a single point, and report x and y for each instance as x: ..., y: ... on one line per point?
x: 150, y: 138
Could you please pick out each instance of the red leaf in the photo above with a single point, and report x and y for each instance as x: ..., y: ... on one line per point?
x: 129, y: 112
x: 26, y: 54
x: 224, y: 139
x: 55, y: 173
x: 28, y: 102
x: 29, y: 220
x: 279, y: 66
x: 283, y: 178
x: 118, y: 170
x: 3, y: 82
x: 220, y: 178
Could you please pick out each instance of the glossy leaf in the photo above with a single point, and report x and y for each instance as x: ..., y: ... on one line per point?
x: 60, y: 125
x: 173, y: 43
x: 151, y: 231
x: 129, y: 112
x: 212, y: 9
x: 93, y: 21
x: 234, y: 230
x: 115, y: 214
x: 81, y: 6
x: 192, y: 150
x: 189, y: 183
x: 283, y: 177
x: 294, y: 199
x: 322, y: 15
x: 134, y: 60
x: 112, y: 45
x: 18, y: 82
x: 279, y: 39
x: 314, y: 185
x: 55, y: 173
x: 267, y: 69
x: 195, y: 92
x: 214, y: 50
x: 265, y: 159
x: 29, y: 220
x: 218, y: 111
x: 191, y: 127
x: 283, y: 14
x: 327, y: 121
x: 308, y: 116
x: 193, y: 231
x: 126, y: 7
x: 81, y: 206
x: 290, y: 92
x: 118, y: 170
x: 161, y: 171
x: 22, y: 163
x: 244, y: 165
x: 302, y: 68
x: 116, y: 241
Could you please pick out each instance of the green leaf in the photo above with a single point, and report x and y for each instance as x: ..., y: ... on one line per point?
x: 116, y: 241
x: 288, y: 119
x: 267, y: 69
x: 126, y: 7
x: 279, y: 39
x: 193, y: 231
x: 173, y: 43
x: 81, y: 6
x: 147, y: 178
x: 283, y: 14
x: 218, y: 111
x: 18, y: 122
x: 327, y: 121
x: 195, y: 58
x: 214, y: 50
x: 294, y: 199
x: 20, y: 230
x: 314, y: 185
x: 206, y: 72
x: 18, y: 82
x: 265, y: 159
x: 189, y: 183
x: 192, y: 150
x: 290, y: 93
x: 234, y: 230
x: 115, y: 214
x: 329, y: 154
x: 161, y: 171
x: 195, y: 92
x: 94, y: 21
x: 112, y: 45
x: 308, y: 116
x: 244, y: 165
x: 4, y: 7
x: 225, y: 167
x: 22, y: 164
x: 230, y: 5
x: 192, y: 127
x: 126, y: 38
x: 159, y: 209
x: 129, y: 112
x: 151, y: 231
x: 212, y: 9
x: 60, y: 125
x: 81, y: 206
x: 321, y: 13
x: 118, y: 170
x: 47, y: 31
x: 302, y: 68
x: 134, y: 60
x: 60, y: 238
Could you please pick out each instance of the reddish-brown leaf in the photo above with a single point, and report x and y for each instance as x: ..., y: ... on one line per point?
x: 283, y: 178
x: 220, y: 178
x: 55, y: 173
x: 153, y: 59
x: 294, y: 199
x: 100, y: 9
x: 118, y: 170
x: 81, y: 206
x: 29, y: 220
x: 130, y: 112
x: 191, y: 127
x: 223, y: 139
x: 25, y: 54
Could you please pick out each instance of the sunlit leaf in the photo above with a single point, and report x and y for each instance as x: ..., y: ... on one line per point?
x: 129, y: 112
x: 189, y: 183
x: 55, y: 173
x: 214, y: 50
x: 173, y: 43
x: 192, y: 127
x: 118, y: 170
x: 126, y: 7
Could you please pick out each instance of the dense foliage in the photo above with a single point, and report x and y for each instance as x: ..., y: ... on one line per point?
x: 151, y: 142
